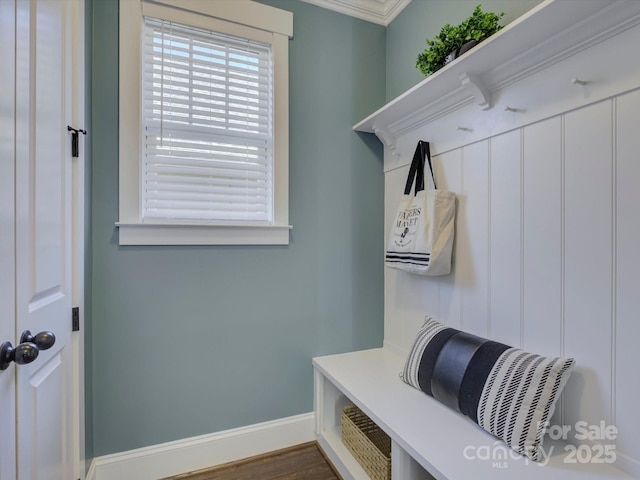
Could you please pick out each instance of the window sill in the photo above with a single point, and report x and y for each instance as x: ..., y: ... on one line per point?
x: 195, y: 234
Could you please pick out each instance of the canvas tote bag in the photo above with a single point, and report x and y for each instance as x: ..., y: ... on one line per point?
x: 421, y: 237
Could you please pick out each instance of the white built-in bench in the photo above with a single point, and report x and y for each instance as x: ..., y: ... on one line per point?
x: 428, y: 439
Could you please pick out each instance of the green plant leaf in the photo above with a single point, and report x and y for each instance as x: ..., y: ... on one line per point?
x: 478, y: 26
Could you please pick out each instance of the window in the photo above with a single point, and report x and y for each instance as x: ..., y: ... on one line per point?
x: 203, y: 123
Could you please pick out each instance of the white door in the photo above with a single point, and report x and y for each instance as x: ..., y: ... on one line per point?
x: 7, y: 260
x: 36, y: 238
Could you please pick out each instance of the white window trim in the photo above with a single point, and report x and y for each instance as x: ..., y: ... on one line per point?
x: 244, y: 13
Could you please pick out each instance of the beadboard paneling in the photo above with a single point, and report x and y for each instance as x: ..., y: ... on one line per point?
x: 505, y: 269
x: 473, y: 240
x: 542, y: 242
x: 545, y: 255
x: 542, y: 299
x: 588, y: 262
x: 448, y: 171
x: 627, y: 280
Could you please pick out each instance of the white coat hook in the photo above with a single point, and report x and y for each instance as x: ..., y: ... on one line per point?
x: 577, y: 81
x: 465, y: 129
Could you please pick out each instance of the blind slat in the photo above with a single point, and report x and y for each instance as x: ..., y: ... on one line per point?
x: 231, y: 217
x: 172, y: 188
x: 209, y: 183
x: 201, y: 161
x: 174, y: 75
x: 175, y: 131
x: 249, y: 208
x: 212, y: 96
x: 196, y: 143
x: 184, y: 198
x: 209, y: 153
x: 221, y: 174
x: 209, y: 60
x: 177, y: 113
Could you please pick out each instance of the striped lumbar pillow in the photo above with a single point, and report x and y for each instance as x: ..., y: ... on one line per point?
x: 508, y: 392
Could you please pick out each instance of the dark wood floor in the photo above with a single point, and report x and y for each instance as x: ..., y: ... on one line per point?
x: 301, y: 462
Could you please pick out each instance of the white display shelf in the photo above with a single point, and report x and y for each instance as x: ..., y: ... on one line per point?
x: 551, y: 32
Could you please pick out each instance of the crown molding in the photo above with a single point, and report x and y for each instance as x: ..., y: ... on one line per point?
x: 381, y: 12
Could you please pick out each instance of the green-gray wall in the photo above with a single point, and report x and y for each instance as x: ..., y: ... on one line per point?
x: 423, y: 19
x: 192, y: 340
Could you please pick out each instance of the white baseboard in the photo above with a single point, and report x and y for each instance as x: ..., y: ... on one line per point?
x: 91, y: 474
x: 158, y: 461
x: 628, y: 464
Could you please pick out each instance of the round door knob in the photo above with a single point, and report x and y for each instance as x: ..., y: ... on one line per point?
x: 43, y: 340
x: 21, y: 354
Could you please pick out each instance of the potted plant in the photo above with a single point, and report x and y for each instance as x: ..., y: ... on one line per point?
x: 453, y: 41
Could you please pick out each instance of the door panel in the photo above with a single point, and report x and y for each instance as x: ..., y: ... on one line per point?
x: 43, y: 236
x: 7, y: 261
x: 46, y: 205
x: 48, y: 446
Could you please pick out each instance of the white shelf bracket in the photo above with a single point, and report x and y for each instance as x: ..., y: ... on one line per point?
x: 477, y: 89
x: 387, y: 139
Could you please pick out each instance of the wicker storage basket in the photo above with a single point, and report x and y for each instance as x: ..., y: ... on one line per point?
x: 370, y: 446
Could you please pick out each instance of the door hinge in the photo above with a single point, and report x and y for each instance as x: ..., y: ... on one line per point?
x: 75, y: 319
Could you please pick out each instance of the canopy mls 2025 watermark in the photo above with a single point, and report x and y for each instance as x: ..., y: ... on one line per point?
x: 598, y: 446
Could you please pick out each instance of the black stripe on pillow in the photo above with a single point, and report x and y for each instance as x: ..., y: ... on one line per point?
x: 476, y: 376
x: 451, y: 365
x: 429, y: 357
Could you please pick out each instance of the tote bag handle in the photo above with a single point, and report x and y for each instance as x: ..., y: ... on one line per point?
x: 416, y: 171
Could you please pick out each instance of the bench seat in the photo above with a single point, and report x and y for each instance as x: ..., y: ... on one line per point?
x: 444, y: 443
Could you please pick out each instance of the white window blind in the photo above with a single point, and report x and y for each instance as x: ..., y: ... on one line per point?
x: 207, y: 128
